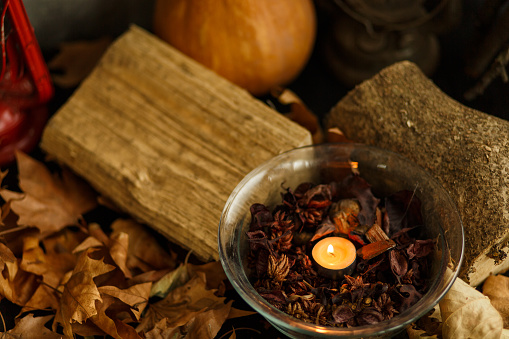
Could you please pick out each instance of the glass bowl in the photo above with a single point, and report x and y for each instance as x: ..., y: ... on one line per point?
x: 388, y: 173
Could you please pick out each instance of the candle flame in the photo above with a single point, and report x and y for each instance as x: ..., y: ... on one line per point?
x: 330, y: 250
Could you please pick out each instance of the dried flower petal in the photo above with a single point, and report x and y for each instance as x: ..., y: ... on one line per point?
x: 403, y: 209
x: 278, y: 267
x: 420, y: 248
x: 361, y: 190
x: 369, y: 316
x: 399, y: 264
x: 412, y: 298
x: 342, y: 314
x: 325, y: 228
x: 260, y: 217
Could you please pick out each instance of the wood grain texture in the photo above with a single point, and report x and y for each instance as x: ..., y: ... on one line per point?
x: 166, y: 139
x: 400, y: 109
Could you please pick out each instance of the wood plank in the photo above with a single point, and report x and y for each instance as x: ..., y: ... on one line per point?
x: 166, y: 139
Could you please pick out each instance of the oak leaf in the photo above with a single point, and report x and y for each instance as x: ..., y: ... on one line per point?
x: 17, y: 285
x: 182, y: 305
x: 136, y: 296
x: 50, y: 263
x: 164, y: 329
x: 59, y: 261
x: 208, y: 323
x: 6, y: 255
x: 214, y: 273
x: 48, y: 202
x: 170, y: 281
x: 30, y: 327
x: 78, y: 301
x: 119, y: 249
x: 34, y: 260
x: 89, y: 242
x: 106, y: 324
x: 150, y: 276
x: 144, y: 252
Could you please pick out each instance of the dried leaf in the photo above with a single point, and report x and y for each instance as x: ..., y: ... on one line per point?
x: 6, y: 255
x: 119, y: 251
x: 410, y: 296
x: 144, y: 251
x: 17, y: 285
x: 151, y: 276
x: 420, y: 248
x: 30, y: 327
x: 89, y: 242
x: 35, y: 261
x: 403, y: 210
x: 183, y: 305
x: 76, y: 60
x: 170, y: 281
x: 214, y: 273
x: 325, y: 228
x: 428, y: 326
x: 135, y: 296
x: 496, y: 287
x: 261, y: 217
x: 467, y: 313
x: 78, y: 301
x: 101, y: 320
x: 359, y: 188
x: 164, y: 329
x: 299, y: 112
x: 369, y: 316
x: 49, y: 202
x: 342, y: 314
x: 399, y: 264
x: 237, y: 313
x: 336, y: 135
x: 52, y: 264
x: 208, y: 323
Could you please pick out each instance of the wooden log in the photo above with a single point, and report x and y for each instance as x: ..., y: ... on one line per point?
x: 400, y: 109
x: 166, y: 139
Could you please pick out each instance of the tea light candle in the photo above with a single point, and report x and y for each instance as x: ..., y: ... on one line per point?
x: 334, y: 257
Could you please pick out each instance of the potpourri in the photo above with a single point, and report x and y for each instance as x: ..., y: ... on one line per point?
x: 393, y: 262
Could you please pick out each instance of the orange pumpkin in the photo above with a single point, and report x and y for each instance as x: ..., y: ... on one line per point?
x: 256, y: 44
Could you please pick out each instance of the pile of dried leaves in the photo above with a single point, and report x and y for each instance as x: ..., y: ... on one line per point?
x: 392, y: 271
x: 69, y: 276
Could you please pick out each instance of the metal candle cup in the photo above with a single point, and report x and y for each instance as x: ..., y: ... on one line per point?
x: 334, y: 257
